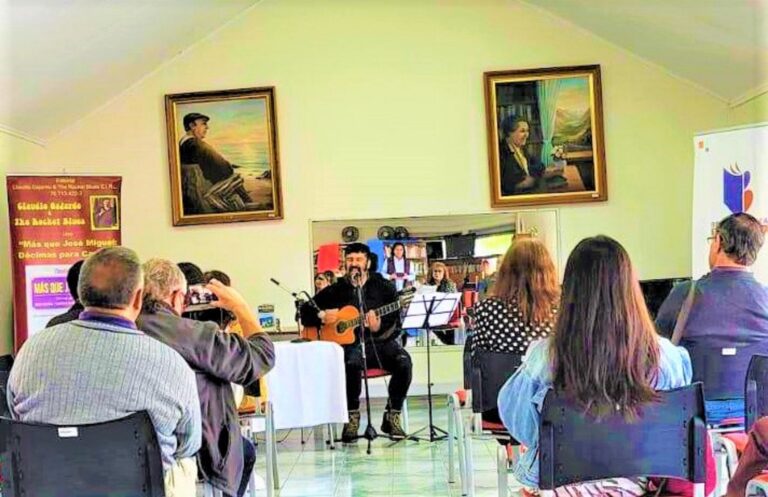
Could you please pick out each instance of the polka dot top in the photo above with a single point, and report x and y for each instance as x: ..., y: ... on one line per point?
x: 499, y: 327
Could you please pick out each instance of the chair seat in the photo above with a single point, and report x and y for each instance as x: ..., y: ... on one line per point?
x: 494, y: 427
x: 462, y: 396
x: 739, y: 439
x: 377, y: 373
x: 731, y: 422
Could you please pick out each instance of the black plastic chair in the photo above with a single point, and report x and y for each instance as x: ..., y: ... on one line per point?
x: 120, y: 457
x: 668, y: 440
x: 723, y: 370
x: 756, y: 390
x: 490, y: 370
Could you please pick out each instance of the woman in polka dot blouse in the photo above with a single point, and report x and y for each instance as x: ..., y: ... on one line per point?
x: 522, y: 303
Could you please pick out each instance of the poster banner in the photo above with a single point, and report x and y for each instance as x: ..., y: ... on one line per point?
x: 730, y: 176
x: 55, y: 221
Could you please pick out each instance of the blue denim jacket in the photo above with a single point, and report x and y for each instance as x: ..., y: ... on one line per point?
x: 522, y: 396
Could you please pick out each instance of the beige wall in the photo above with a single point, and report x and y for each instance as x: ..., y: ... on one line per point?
x: 752, y: 111
x: 381, y: 114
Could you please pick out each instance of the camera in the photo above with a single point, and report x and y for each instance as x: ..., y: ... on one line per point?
x: 199, y: 295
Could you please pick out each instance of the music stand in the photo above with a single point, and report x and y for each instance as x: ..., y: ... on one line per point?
x: 425, y: 312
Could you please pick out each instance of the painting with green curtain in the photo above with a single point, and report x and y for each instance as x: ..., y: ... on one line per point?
x: 223, y: 154
x: 545, y: 136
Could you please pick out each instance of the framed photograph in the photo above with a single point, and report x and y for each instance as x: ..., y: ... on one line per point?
x: 105, y: 213
x: 545, y: 136
x: 223, y: 156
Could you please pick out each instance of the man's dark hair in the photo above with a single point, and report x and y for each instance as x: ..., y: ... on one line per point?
x: 109, y: 277
x: 357, y: 248
x: 741, y: 237
x: 72, y: 276
x: 215, y: 274
x: 192, y: 273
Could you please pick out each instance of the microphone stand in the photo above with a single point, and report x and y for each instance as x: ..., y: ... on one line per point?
x: 370, y: 432
x: 297, y: 303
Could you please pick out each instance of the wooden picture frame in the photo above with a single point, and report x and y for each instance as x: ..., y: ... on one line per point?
x: 229, y: 170
x: 560, y: 157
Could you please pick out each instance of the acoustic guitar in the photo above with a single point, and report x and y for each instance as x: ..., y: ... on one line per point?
x: 343, y: 330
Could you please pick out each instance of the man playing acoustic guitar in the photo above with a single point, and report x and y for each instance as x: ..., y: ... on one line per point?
x: 382, y: 349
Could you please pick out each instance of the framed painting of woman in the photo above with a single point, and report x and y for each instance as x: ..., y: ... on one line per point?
x: 545, y: 136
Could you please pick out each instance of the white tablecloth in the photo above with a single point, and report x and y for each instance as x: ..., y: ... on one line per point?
x: 307, y: 385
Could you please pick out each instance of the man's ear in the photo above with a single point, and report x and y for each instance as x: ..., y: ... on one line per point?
x: 137, y: 298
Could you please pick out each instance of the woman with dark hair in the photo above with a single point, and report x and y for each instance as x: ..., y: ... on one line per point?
x: 321, y: 281
x: 519, y: 172
x: 397, y: 268
x: 604, y: 354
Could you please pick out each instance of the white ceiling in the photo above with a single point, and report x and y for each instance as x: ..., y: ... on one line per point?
x: 720, y: 45
x: 62, y: 59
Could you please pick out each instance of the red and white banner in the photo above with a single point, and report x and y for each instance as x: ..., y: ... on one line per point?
x: 55, y: 221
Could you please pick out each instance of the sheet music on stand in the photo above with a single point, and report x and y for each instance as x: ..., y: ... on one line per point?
x: 443, y: 306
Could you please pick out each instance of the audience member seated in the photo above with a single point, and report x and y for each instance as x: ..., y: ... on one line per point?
x: 226, y: 459
x: 604, y: 353
x: 101, y: 368
x: 521, y: 306
x: 73, y: 312
x: 753, y: 461
x: 438, y: 278
x: 728, y: 313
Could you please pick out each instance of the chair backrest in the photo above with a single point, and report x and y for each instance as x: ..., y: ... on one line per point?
x: 120, y: 457
x: 668, y: 439
x: 723, y: 370
x: 756, y: 390
x: 490, y: 370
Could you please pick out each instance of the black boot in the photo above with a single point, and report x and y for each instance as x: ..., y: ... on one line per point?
x: 349, y: 434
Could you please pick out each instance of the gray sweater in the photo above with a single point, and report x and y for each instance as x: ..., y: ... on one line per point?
x: 85, y: 372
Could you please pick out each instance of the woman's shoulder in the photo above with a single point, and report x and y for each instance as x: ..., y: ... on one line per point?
x: 537, y: 359
x: 675, y: 368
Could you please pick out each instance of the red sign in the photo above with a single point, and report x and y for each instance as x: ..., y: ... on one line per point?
x: 55, y: 221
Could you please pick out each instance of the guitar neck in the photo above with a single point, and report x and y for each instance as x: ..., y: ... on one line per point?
x: 381, y: 311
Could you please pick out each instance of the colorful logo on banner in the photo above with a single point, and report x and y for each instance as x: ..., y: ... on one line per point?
x: 736, y: 193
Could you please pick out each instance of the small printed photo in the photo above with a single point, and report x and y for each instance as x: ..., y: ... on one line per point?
x: 105, y: 213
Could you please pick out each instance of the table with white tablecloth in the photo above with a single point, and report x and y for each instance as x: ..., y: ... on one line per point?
x: 307, y: 386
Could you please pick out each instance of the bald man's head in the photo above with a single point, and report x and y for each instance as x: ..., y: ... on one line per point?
x: 109, y: 278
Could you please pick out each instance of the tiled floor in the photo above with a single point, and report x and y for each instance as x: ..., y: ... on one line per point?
x: 407, y: 469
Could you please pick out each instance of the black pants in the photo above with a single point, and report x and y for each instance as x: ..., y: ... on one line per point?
x: 389, y: 355
x: 249, y: 461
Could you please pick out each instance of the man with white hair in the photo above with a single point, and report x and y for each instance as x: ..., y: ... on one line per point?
x: 86, y: 371
x: 219, y: 358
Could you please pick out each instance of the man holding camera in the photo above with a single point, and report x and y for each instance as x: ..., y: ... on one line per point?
x: 218, y: 358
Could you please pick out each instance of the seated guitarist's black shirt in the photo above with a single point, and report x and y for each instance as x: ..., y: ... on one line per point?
x: 377, y: 292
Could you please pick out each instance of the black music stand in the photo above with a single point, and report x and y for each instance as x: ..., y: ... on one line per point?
x: 425, y: 312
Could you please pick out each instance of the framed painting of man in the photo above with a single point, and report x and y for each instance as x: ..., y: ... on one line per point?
x: 223, y: 156
x: 545, y: 136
